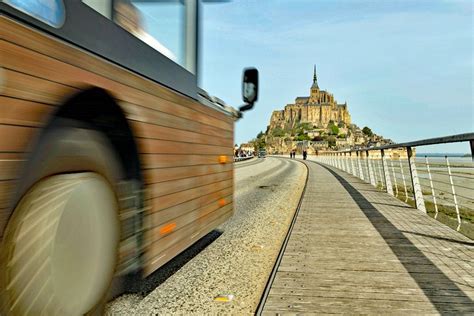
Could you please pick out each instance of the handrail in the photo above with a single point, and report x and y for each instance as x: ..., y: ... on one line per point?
x: 423, y: 142
x: 378, y: 164
x: 237, y: 159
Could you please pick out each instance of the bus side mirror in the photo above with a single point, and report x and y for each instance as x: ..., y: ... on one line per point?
x: 249, y: 88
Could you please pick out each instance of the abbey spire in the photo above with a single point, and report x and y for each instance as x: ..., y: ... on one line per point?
x: 315, y: 79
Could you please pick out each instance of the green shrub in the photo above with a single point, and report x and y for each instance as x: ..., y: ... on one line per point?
x: 303, y: 137
x: 367, y: 131
x: 278, y: 132
x: 334, y: 130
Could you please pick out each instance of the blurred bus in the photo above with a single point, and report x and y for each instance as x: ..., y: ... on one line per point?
x: 112, y: 160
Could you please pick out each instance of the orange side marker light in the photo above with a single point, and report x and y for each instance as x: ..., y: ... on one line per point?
x: 222, y: 159
x: 222, y: 202
x: 168, y: 228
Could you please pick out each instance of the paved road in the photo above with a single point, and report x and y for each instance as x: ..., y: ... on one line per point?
x: 240, y: 260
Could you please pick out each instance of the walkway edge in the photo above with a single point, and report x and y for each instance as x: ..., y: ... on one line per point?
x: 271, y: 278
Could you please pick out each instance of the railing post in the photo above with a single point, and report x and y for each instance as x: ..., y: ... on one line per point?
x: 374, y: 170
x: 352, y: 164
x: 369, y: 168
x: 454, y: 194
x: 386, y: 172
x: 348, y: 170
x: 415, y: 181
x: 394, y: 177
x: 432, y: 187
x: 361, y: 173
x: 471, y: 143
x: 379, y: 169
x: 346, y: 163
x: 372, y: 162
x: 403, y: 178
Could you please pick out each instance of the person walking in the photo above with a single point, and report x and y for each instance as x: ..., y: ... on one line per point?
x: 304, y: 154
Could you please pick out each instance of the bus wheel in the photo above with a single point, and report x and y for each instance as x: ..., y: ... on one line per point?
x: 60, y: 246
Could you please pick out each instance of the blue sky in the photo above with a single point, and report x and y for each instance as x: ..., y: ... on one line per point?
x: 405, y: 68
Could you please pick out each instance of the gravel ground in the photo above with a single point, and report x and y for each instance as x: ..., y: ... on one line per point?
x: 240, y: 260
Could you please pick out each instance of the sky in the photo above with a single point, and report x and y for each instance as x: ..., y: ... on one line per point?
x: 405, y: 68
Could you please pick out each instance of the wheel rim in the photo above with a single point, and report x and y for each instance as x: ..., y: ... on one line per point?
x: 62, y: 245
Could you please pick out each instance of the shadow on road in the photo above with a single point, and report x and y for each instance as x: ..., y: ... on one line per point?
x: 134, y: 284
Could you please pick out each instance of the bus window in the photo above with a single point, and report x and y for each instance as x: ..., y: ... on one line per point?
x: 47, y: 11
x: 162, y: 24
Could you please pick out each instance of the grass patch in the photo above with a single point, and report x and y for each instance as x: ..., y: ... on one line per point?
x: 446, y: 213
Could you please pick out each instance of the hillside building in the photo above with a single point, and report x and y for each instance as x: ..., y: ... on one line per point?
x: 318, y: 109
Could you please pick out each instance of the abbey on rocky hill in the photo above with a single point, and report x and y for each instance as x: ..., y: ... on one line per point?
x: 318, y: 109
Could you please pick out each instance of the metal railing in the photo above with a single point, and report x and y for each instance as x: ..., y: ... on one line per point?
x: 237, y: 159
x: 434, y: 185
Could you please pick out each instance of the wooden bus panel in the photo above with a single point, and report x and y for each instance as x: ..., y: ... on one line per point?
x: 155, y: 146
x: 9, y: 168
x: 142, y: 114
x: 157, y: 218
x: 152, y: 131
x: 194, y: 233
x: 175, y: 173
x: 151, y: 161
x: 43, y: 66
x: 170, y: 229
x: 180, y: 141
x: 163, y: 202
x: 23, y: 113
x: 168, y: 187
x: 38, y: 42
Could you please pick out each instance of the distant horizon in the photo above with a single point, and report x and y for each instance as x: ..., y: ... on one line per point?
x: 444, y: 154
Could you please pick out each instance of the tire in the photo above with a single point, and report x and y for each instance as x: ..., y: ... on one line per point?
x: 60, y: 247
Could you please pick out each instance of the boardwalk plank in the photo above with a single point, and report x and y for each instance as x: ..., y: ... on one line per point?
x: 354, y: 249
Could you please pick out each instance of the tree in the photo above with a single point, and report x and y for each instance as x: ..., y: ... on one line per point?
x: 259, y: 144
x: 331, y: 141
x: 334, y: 130
x: 260, y: 135
x: 317, y: 138
x: 303, y: 137
x: 306, y: 126
x: 367, y: 131
x: 341, y: 124
x: 278, y: 132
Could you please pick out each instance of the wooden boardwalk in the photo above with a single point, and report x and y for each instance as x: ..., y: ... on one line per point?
x: 356, y: 250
